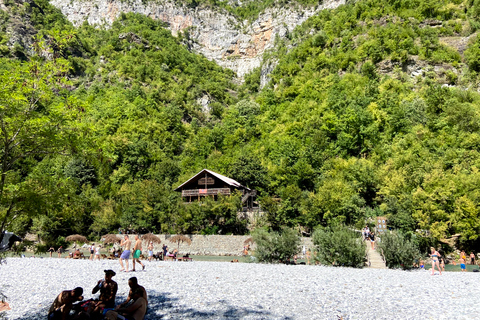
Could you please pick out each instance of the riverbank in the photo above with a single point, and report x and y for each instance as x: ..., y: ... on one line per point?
x: 214, y: 290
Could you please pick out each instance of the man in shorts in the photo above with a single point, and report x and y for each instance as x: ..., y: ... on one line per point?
x: 463, y: 267
x: 137, y: 251
x: 108, y: 291
x: 60, y: 308
x: 126, y: 244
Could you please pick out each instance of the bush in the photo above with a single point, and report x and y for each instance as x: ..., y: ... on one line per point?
x: 398, y: 250
x: 40, y: 248
x: 275, y: 246
x: 339, y: 246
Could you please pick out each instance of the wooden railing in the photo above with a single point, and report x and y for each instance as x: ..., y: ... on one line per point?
x: 247, y: 194
x: 205, y: 192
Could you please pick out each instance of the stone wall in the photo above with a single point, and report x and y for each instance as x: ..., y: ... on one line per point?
x: 214, y: 245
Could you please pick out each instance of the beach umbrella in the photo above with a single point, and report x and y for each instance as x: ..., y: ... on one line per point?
x: 151, y: 237
x: 76, y: 237
x: 180, y: 238
x: 249, y: 240
x: 110, y: 238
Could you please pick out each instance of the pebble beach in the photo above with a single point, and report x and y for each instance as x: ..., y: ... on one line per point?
x: 223, y: 290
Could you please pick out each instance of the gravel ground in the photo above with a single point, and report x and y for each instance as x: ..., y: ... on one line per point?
x: 221, y: 290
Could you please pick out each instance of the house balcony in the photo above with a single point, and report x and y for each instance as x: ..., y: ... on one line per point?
x: 205, y: 192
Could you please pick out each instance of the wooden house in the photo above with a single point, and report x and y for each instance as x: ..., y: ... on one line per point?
x: 208, y: 183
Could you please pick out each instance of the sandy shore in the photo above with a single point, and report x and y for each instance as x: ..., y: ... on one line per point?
x: 220, y: 290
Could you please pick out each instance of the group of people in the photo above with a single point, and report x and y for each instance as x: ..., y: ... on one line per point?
x: 369, y: 236
x: 133, y: 308
x: 124, y: 255
x: 76, y: 253
x: 463, y: 260
x: 438, y: 261
x: 94, y: 252
x: 137, y: 251
x: 59, y: 251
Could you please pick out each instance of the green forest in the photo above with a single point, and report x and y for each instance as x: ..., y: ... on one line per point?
x: 100, y: 125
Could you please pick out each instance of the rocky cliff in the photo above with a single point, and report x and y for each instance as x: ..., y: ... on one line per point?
x: 219, y: 36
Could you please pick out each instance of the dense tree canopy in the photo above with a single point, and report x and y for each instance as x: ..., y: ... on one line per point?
x: 334, y: 138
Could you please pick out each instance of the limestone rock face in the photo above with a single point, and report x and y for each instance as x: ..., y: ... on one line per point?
x: 219, y: 36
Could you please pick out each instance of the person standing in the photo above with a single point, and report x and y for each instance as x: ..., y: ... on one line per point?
x: 435, y: 260
x: 472, y: 258
x: 366, y: 233
x: 137, y: 251
x: 92, y: 251
x: 463, y: 267
x: 60, y: 251
x: 51, y: 250
x: 150, y: 251
x: 97, y: 253
x: 126, y: 244
x: 442, y: 264
x: 371, y: 236
x: 165, y: 251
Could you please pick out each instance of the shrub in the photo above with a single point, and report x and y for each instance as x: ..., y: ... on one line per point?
x: 339, y: 246
x: 40, y: 248
x: 399, y: 251
x: 276, y: 246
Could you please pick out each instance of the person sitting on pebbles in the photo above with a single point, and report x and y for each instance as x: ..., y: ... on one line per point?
x: 134, y: 311
x: 108, y: 291
x: 60, y: 308
x: 133, y: 284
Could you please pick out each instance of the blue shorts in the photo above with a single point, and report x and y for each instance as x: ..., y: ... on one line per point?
x: 150, y: 253
x: 125, y: 254
x: 462, y: 266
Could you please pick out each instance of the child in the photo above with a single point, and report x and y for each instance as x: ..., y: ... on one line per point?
x: 442, y: 264
x: 462, y: 264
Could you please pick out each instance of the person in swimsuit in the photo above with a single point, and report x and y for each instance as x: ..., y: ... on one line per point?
x: 97, y: 253
x: 108, y: 291
x: 126, y: 244
x: 150, y: 251
x: 435, y: 262
x: 463, y: 267
x: 137, y: 251
x: 472, y: 258
x: 92, y: 251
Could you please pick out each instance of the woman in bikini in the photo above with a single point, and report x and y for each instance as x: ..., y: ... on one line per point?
x: 435, y: 257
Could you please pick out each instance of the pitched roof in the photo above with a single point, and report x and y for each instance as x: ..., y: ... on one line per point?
x: 227, y: 180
